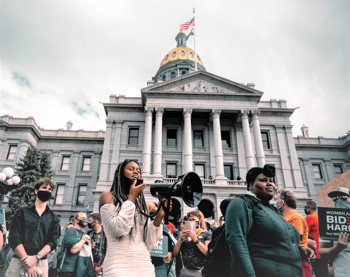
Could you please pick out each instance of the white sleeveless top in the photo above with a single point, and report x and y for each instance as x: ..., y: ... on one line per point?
x: 127, y: 254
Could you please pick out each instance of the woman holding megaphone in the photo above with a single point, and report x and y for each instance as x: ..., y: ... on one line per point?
x: 129, y: 233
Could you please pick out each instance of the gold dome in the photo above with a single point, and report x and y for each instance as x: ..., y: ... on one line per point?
x: 180, y: 53
x: 179, y: 61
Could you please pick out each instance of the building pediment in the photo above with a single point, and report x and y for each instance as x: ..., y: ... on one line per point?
x: 202, y: 82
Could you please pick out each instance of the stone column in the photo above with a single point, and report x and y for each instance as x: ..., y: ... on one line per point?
x: 284, y: 153
x: 21, y: 150
x: 72, y: 184
x: 92, y: 201
x: 212, y: 171
x: 157, y: 165
x: 103, y: 183
x: 114, y: 159
x: 147, y: 144
x: 110, y: 158
x: 248, y: 146
x: 296, y: 171
x: 55, y: 160
x: 105, y: 159
x: 329, y: 173
x: 260, y: 155
x: 242, y: 166
x: 219, y: 157
x: 187, y: 141
x: 310, y: 178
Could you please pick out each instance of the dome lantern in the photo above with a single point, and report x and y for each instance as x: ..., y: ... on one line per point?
x: 181, y: 39
x: 179, y: 61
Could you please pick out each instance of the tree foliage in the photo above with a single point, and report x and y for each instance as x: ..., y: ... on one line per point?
x: 33, y: 166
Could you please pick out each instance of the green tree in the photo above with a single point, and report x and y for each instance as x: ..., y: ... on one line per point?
x: 33, y: 166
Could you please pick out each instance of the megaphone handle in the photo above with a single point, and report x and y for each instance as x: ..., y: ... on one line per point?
x: 166, y: 210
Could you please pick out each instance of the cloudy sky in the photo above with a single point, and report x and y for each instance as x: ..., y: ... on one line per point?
x: 60, y: 59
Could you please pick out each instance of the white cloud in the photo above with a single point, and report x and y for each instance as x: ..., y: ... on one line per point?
x: 84, y: 49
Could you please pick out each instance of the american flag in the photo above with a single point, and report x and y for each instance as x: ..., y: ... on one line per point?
x: 186, y: 25
x: 190, y: 34
x: 2, y: 216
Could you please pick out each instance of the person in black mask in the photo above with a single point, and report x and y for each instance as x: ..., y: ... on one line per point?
x: 76, y: 240
x: 32, y: 245
x: 98, y: 242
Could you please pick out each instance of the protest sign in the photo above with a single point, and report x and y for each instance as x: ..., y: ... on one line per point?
x: 161, y: 249
x: 332, y: 221
x: 2, y: 217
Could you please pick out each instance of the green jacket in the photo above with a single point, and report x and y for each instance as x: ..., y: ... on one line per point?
x: 74, y: 263
x: 71, y: 237
x: 261, y: 242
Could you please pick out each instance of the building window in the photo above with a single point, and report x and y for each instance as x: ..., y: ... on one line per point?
x: 171, y: 170
x: 12, y: 152
x: 86, y: 164
x: 171, y: 137
x: 133, y: 136
x: 226, y: 139
x: 81, y: 195
x: 65, y: 162
x: 199, y: 169
x: 317, y: 171
x: 228, y: 170
x: 338, y: 169
x: 59, y: 194
x: 173, y: 74
x: 198, y: 140
x: 266, y: 140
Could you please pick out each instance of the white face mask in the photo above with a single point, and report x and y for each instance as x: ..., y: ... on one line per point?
x: 279, y: 208
x: 342, y: 204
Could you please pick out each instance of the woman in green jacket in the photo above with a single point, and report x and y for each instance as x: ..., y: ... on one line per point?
x: 261, y: 242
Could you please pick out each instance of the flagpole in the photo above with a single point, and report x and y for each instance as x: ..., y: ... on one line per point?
x: 194, y: 39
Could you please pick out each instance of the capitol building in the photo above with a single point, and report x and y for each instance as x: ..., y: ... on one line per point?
x: 185, y: 119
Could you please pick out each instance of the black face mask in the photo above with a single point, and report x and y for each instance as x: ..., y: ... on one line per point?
x: 83, y: 223
x: 127, y: 184
x: 91, y: 225
x: 44, y: 195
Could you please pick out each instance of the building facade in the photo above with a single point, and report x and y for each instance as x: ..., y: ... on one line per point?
x: 185, y: 120
x: 75, y: 159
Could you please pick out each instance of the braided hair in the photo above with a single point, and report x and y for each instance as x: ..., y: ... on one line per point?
x: 120, y: 191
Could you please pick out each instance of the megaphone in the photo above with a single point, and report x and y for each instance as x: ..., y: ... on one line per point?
x: 188, y: 187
